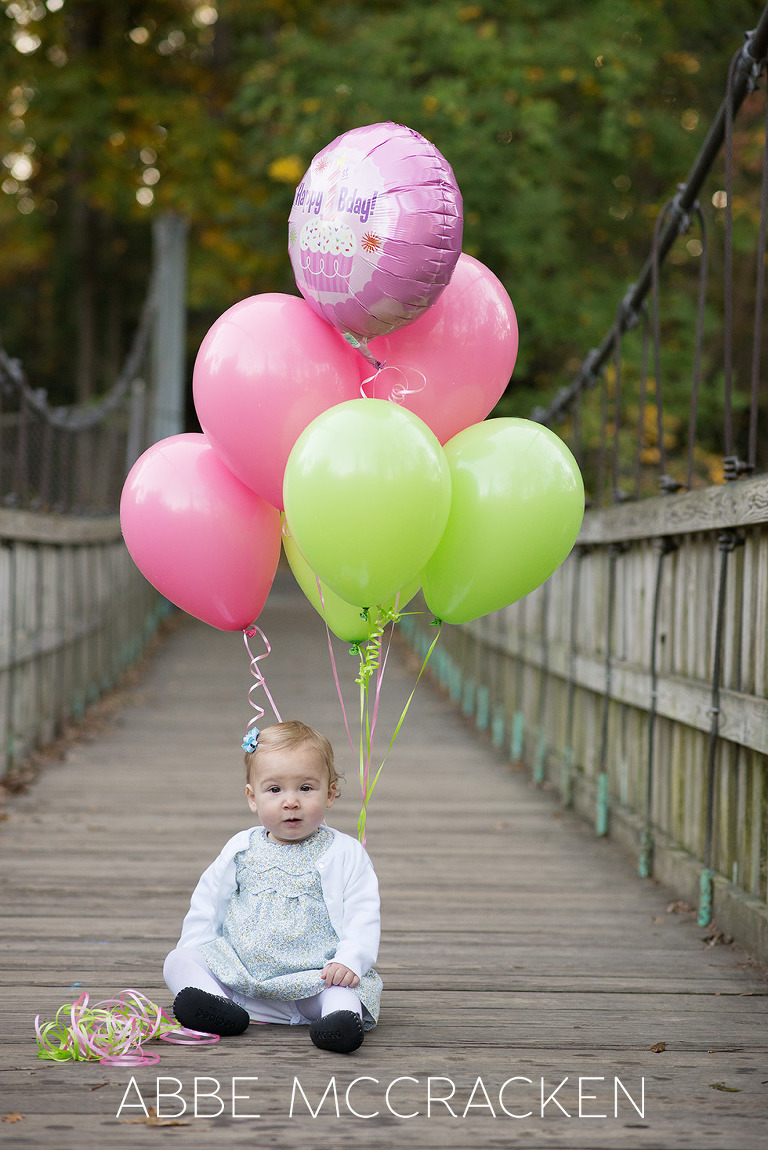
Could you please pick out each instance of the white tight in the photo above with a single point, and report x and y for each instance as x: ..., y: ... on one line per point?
x: 186, y: 966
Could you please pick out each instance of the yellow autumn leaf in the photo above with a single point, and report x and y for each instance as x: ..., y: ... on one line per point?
x: 286, y: 169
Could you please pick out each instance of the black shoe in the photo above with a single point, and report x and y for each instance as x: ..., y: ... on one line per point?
x: 209, y: 1013
x: 341, y: 1031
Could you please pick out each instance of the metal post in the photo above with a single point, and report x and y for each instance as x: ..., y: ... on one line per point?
x: 727, y: 541
x: 566, y: 784
x: 602, y: 797
x: 665, y: 547
x: 169, y: 335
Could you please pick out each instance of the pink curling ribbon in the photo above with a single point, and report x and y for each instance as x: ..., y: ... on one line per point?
x: 250, y: 633
x: 113, y: 1031
x: 333, y: 665
x: 398, y: 390
x: 371, y: 663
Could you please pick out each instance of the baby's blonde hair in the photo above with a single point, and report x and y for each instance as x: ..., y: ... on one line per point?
x: 289, y: 735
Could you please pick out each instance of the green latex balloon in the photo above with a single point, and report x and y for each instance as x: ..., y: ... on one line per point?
x: 367, y: 493
x: 344, y: 620
x: 516, y: 511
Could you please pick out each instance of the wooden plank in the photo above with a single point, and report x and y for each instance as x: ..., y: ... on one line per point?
x: 743, y: 719
x: 39, y: 527
x: 514, y: 946
x: 740, y: 504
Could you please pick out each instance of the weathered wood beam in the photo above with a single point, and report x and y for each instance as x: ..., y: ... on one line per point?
x: 34, y: 527
x: 743, y: 503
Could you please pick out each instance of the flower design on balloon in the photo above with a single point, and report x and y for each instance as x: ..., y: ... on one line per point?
x: 370, y: 243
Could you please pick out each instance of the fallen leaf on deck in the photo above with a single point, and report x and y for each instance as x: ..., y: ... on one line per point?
x: 152, y: 1120
x: 728, y: 1089
x: 659, y: 1048
x: 679, y: 907
x: 15, y: 1117
x: 715, y: 937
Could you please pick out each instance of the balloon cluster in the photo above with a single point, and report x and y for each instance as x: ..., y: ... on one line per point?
x: 359, y: 410
x: 359, y: 413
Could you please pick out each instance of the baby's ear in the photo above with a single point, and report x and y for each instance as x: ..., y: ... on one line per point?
x: 333, y: 794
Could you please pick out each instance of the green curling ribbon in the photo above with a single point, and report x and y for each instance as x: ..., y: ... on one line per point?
x: 370, y: 665
x: 111, y: 1031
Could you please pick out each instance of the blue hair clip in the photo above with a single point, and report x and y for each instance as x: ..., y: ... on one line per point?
x: 251, y: 739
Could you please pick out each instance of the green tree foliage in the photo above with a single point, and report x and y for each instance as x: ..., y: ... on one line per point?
x: 567, y: 127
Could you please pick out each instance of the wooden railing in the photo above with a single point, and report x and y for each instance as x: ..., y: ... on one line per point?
x: 74, y: 614
x: 634, y: 683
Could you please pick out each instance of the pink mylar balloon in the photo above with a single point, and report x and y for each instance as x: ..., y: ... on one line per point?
x: 375, y: 229
x: 199, y: 536
x: 451, y: 366
x: 267, y: 367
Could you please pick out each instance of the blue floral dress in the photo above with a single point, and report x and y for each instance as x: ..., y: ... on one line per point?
x: 277, y: 933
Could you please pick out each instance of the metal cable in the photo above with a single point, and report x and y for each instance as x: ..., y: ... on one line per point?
x: 727, y: 541
x: 601, y: 816
x: 616, y: 494
x: 656, y: 329
x: 566, y: 786
x: 728, y: 272
x: 699, y: 341
x: 602, y: 461
x: 79, y: 418
x: 751, y: 62
x: 665, y: 545
x: 641, y: 399
x: 759, y: 304
x: 540, y: 755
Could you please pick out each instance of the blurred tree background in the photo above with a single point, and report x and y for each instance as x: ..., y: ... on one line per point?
x: 567, y: 127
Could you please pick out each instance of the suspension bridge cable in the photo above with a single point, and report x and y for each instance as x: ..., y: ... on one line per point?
x: 747, y: 67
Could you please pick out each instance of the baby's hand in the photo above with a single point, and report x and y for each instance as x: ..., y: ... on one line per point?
x: 335, y: 974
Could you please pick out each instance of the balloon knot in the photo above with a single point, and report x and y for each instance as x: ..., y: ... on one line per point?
x: 354, y: 649
x: 436, y: 622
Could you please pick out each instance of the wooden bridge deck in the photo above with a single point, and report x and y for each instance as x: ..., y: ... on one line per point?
x: 527, y: 970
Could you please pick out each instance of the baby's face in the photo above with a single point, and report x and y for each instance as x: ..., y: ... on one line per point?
x: 289, y: 792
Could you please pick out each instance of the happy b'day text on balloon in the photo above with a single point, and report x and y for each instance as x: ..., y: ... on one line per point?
x: 349, y: 202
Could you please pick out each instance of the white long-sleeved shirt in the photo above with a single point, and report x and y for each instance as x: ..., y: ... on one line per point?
x: 350, y: 890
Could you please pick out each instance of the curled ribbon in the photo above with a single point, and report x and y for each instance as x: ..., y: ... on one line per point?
x: 399, y: 390
x: 334, y: 668
x: 372, y: 664
x: 113, y: 1031
x: 250, y: 633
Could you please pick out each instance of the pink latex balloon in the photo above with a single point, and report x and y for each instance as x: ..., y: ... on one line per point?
x: 375, y: 229
x: 199, y: 536
x: 453, y: 364
x: 268, y: 367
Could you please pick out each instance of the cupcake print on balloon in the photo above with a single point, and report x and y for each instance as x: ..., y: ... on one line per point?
x: 326, y: 252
